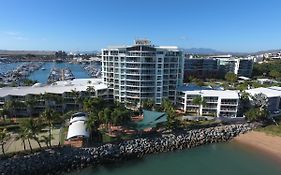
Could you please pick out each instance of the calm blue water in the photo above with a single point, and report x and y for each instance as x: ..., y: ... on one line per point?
x: 42, y: 75
x: 10, y: 66
x: 214, y: 159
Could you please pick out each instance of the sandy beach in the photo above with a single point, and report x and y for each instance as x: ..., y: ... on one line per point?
x: 267, y: 144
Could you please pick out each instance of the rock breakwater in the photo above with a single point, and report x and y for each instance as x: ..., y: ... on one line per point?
x: 60, y: 160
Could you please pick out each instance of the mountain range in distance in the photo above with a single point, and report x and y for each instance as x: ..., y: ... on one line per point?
x: 199, y: 51
x: 209, y: 51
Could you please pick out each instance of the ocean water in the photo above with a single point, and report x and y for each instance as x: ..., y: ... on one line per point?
x: 214, y: 159
x: 42, y: 75
x: 5, y: 67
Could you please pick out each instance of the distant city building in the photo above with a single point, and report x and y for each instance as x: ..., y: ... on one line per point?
x: 218, y: 66
x: 238, y: 66
x: 215, y: 102
x: 60, y: 89
x: 273, y: 95
x: 142, y: 71
x: 201, y: 67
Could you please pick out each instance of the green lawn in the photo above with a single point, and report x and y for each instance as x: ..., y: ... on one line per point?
x: 271, y: 129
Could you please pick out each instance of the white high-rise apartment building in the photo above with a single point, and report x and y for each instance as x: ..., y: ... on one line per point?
x: 142, y: 71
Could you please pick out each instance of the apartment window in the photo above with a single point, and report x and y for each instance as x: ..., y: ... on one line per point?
x: 158, y: 77
x: 158, y: 83
x: 159, y: 60
x: 159, y: 66
x: 159, y: 72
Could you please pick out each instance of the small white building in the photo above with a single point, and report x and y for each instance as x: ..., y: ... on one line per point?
x: 273, y: 95
x: 217, y: 103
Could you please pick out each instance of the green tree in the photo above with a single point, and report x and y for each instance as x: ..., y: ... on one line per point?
x: 92, y: 125
x: 4, y: 136
x: 30, y: 101
x: 147, y: 104
x: 90, y: 91
x: 168, y: 107
x: 198, y: 101
x: 28, y: 82
x: 258, y: 110
x: 231, y: 77
x: 94, y: 105
x: 244, y: 103
x: 50, y: 116
x: 22, y: 135
x: 9, y: 107
x: 255, y: 114
x: 31, y: 128
x: 275, y: 74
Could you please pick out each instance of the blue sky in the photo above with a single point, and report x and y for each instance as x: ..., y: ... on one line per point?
x: 226, y: 25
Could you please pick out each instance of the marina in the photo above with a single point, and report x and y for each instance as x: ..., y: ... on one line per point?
x: 60, y: 74
x: 94, y: 69
x: 43, y: 72
x: 17, y: 72
x: 42, y: 75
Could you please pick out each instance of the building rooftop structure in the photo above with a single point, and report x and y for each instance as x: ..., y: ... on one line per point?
x: 151, y: 119
x: 208, y: 91
x: 56, y: 87
x: 77, y: 127
x: 269, y: 92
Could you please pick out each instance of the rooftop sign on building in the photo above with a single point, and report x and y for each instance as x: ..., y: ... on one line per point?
x: 142, y: 42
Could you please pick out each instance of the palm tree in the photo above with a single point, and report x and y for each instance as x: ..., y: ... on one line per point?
x: 46, y: 140
x: 30, y: 103
x: 32, y: 128
x: 4, y: 136
x: 90, y: 90
x: 92, y: 125
x: 94, y: 105
x: 198, y: 101
x: 22, y: 136
x: 10, y: 106
x: 107, y: 116
x: 147, y: 104
x: 77, y: 98
x: 50, y: 116
x: 168, y: 107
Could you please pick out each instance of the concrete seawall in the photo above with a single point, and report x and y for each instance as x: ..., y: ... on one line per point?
x: 60, y: 160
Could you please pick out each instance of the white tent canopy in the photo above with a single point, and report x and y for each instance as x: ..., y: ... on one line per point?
x: 77, y: 129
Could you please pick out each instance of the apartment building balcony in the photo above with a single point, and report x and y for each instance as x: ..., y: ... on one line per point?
x: 192, y: 110
x: 211, y: 101
x: 229, y: 104
x: 228, y: 109
x: 210, y: 107
x: 192, y: 105
x: 227, y: 114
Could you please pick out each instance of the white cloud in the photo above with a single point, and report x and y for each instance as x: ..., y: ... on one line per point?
x: 14, y: 35
x: 10, y: 33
